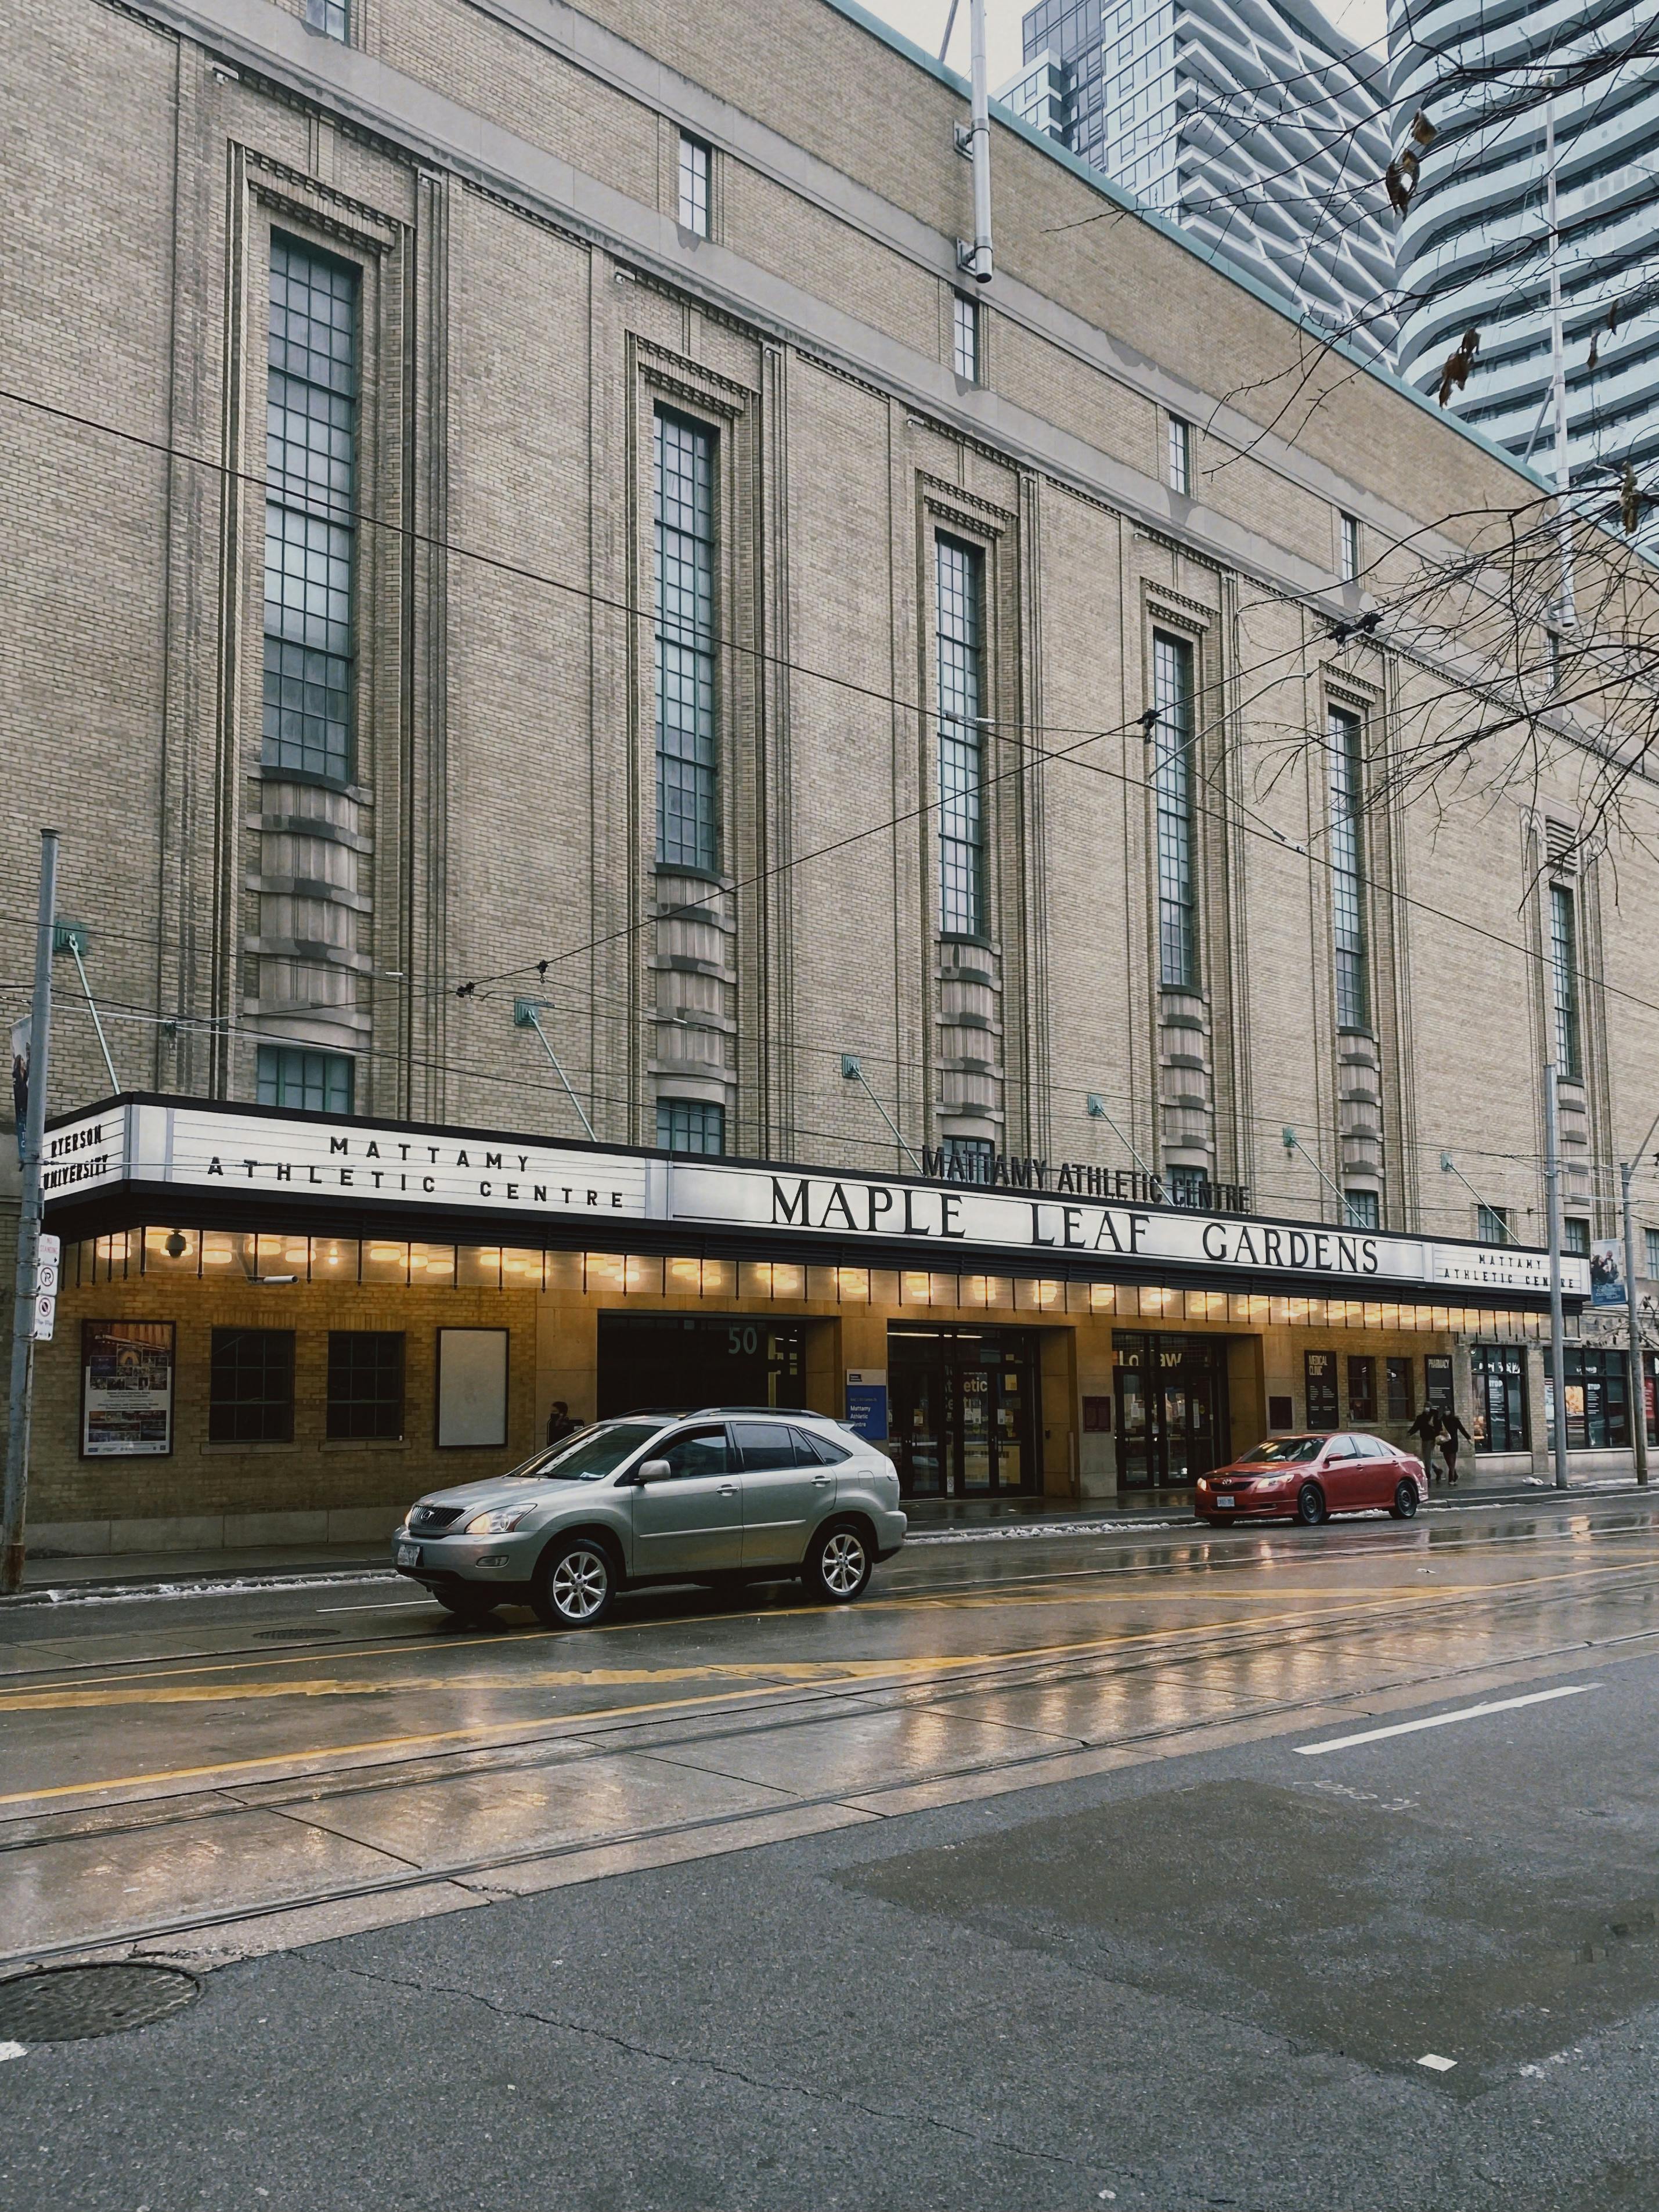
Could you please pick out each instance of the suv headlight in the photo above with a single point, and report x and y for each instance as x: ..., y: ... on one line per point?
x: 497, y: 1522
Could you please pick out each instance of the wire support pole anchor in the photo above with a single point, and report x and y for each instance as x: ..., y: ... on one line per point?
x: 852, y: 1070
x: 527, y: 1015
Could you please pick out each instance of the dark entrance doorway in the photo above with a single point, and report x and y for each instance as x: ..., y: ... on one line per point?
x: 687, y: 1360
x: 1171, y: 1408
x: 963, y: 1410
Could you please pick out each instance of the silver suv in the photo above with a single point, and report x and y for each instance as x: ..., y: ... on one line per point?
x: 727, y: 1495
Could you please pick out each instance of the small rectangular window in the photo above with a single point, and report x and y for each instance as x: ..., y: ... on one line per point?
x: 690, y: 1125
x: 251, y: 1387
x: 1364, y: 1209
x: 965, y: 337
x: 970, y: 1159
x: 1651, y: 1240
x: 694, y: 186
x: 1180, y: 456
x: 1187, y: 1186
x: 1575, y: 1237
x: 1401, y: 1395
x: 366, y: 1383
x: 1350, y: 530
x: 1491, y: 1224
x: 331, y: 17
x: 318, y: 1082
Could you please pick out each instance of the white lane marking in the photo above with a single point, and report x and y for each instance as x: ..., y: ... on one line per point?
x: 380, y: 1604
x: 1436, y: 2063
x: 1444, y: 1720
x: 14, y: 2050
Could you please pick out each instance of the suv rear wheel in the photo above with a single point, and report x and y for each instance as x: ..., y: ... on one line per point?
x: 838, y: 1564
x: 576, y: 1584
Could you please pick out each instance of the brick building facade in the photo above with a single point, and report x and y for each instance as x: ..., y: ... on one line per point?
x: 509, y: 510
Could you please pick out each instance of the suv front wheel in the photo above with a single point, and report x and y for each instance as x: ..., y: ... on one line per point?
x: 838, y: 1564
x: 576, y: 1584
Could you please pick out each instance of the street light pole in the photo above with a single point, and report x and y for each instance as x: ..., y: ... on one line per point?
x: 1558, y: 1355
x: 1639, y: 1380
x: 31, y: 1144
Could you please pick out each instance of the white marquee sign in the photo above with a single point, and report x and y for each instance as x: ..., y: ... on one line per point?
x: 234, y: 1153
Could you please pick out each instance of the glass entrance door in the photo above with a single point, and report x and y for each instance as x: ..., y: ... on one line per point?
x: 1171, y: 1408
x: 963, y: 1410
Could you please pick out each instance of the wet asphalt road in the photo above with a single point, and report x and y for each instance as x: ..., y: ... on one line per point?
x: 1016, y: 1885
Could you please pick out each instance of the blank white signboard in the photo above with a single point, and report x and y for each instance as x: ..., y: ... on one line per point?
x: 471, y: 1386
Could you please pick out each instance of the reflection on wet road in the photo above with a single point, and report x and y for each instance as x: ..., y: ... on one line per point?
x: 175, y: 1764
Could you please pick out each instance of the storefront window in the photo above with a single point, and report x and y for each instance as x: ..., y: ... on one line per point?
x: 1402, y: 1398
x: 251, y: 1393
x: 1499, y: 1375
x: 366, y: 1383
x: 1598, y: 1398
x: 1362, y: 1388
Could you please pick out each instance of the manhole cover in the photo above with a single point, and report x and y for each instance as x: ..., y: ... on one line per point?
x: 291, y: 1635
x: 66, y: 2004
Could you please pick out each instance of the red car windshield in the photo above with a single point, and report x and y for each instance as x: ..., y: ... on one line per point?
x: 1285, y: 1451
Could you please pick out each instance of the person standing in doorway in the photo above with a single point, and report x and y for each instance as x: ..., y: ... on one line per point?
x: 1427, y: 1429
x: 1452, y: 1433
x: 559, y: 1423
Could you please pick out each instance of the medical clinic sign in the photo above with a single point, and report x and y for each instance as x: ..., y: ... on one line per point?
x: 147, y: 1147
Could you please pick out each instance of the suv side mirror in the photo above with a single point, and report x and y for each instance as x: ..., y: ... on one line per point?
x: 652, y: 1470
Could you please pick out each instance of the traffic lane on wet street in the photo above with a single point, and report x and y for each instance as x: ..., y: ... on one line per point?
x: 289, y: 1685
x: 1211, y: 1978
x: 417, y: 1682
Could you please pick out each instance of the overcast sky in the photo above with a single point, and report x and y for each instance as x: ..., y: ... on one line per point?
x: 924, y: 22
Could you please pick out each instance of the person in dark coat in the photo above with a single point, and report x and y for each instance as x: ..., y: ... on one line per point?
x: 559, y: 1423
x: 1452, y: 1433
x: 1427, y: 1429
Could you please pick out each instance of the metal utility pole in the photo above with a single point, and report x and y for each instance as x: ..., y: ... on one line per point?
x: 973, y: 254
x: 32, y: 1136
x: 1566, y: 613
x: 1639, y: 1380
x: 1558, y: 1355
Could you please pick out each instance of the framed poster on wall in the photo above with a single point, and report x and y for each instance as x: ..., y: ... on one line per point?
x: 126, y: 1389
x: 471, y: 1398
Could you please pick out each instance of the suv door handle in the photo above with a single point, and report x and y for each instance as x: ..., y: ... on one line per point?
x: 819, y: 1481
x: 728, y: 1489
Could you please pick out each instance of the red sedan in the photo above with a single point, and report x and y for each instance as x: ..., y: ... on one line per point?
x: 1307, y: 1479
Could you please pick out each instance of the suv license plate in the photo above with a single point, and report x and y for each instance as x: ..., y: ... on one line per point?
x: 408, y: 1555
x: 1222, y: 1505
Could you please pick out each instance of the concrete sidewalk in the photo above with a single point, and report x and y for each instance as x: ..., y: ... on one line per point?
x: 131, y: 1574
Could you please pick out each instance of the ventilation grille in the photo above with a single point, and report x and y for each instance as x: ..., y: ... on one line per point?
x: 1561, y: 848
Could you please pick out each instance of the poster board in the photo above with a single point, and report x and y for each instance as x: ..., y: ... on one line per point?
x: 126, y: 1389
x: 471, y: 1397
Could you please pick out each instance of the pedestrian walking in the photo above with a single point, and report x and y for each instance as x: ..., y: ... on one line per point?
x: 1452, y: 1432
x: 559, y: 1423
x: 1427, y: 1429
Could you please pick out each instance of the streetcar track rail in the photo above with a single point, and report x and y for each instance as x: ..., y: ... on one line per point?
x: 475, y: 1870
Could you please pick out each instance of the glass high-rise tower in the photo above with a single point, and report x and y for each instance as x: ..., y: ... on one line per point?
x: 1251, y: 123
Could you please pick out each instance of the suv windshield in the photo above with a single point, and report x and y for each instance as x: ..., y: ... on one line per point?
x: 1286, y: 1451
x: 590, y: 1456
